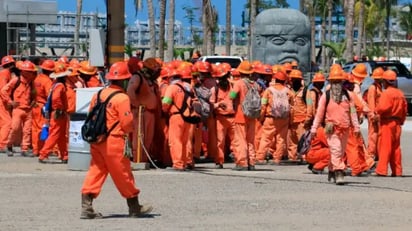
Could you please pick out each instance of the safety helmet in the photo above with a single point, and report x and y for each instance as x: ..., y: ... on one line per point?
x: 6, y: 60
x: 87, y: 69
x: 218, y: 71
x: 389, y: 75
x: 280, y: 75
x: 185, y: 73
x: 296, y: 74
x: 336, y: 74
x: 349, y: 77
x: 152, y: 64
x: 276, y: 68
x: 18, y: 64
x: 203, y: 67
x: 28, y: 66
x: 226, y: 66
x: 164, y: 73
x: 263, y: 69
x: 245, y: 68
x: 318, y: 77
x: 59, y: 71
x: 255, y: 63
x: 360, y: 71
x: 64, y: 59
x: 235, y: 73
x: 47, y: 65
x: 118, y: 71
x: 377, y: 73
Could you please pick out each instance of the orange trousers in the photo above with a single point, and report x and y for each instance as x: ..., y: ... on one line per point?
x: 178, y: 138
x: 273, y: 129
x: 165, y: 155
x: 318, y: 154
x: 212, y: 139
x: 147, y: 128
x: 37, y: 123
x: 243, y: 143
x: 108, y: 158
x: 57, y: 136
x: 355, y: 154
x: 337, y: 145
x: 5, y: 125
x: 225, y: 127
x: 258, y: 133
x: 190, y: 146
x: 390, y: 149
x: 21, y: 120
x: 296, y: 130
x: 373, y: 133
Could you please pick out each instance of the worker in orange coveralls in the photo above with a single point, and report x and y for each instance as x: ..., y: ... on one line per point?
x: 19, y: 95
x: 338, y: 114
x: 57, y: 118
x: 88, y: 75
x: 374, y: 93
x: 224, y: 112
x: 392, y: 109
x: 243, y: 142
x: 275, y: 127
x: 298, y: 115
x: 42, y: 85
x: 8, y: 64
x: 171, y: 103
x: 110, y: 156
x: 163, y: 82
x: 145, y: 99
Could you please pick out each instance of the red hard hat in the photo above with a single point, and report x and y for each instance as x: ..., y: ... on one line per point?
x: 186, y: 73
x: 28, y: 66
x: 48, y: 65
x: 280, y: 75
x: 118, y: 71
x: 296, y: 74
x: 219, y: 71
x: 164, y: 73
x: 204, y: 67
x: 63, y: 59
x: 263, y: 69
x: 6, y: 60
x: 226, y: 66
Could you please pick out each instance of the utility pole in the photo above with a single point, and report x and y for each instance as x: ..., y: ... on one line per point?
x: 115, y: 31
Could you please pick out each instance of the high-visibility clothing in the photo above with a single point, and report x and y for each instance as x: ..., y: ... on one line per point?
x: 5, y: 112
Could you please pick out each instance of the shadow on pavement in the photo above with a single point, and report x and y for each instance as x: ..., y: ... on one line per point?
x: 152, y: 215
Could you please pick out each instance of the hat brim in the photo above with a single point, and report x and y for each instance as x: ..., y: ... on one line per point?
x: 359, y: 75
x: 55, y: 75
x: 245, y: 72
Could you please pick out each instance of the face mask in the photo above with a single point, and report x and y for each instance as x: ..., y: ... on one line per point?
x: 296, y: 85
x: 319, y: 85
x: 223, y: 83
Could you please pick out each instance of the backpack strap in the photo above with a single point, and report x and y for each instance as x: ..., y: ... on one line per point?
x: 140, y: 83
x: 105, y: 105
x: 184, y: 105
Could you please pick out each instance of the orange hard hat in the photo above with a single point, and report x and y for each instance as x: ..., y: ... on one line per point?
x: 159, y: 61
x: 245, y: 68
x: 277, y: 67
x: 6, y: 60
x: 28, y: 66
x: 296, y: 74
x: 87, y: 69
x: 186, y: 73
x: 18, y: 64
x: 74, y: 63
x: 336, y: 74
x: 219, y: 71
x: 360, y: 71
x: 287, y: 67
x: 226, y: 66
x: 47, y: 65
x: 335, y: 65
x: 318, y: 77
x: 152, y: 64
x: 235, y: 73
x: 118, y: 71
x: 64, y: 59
x: 164, y: 73
x: 203, y: 67
x: 59, y: 71
x: 263, y: 69
x: 389, y: 75
x: 378, y: 73
x: 255, y: 63
x: 280, y: 75
x: 133, y: 65
x: 349, y: 77
x: 73, y: 71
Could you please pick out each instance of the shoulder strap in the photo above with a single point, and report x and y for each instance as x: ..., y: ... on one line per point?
x: 140, y: 83
x: 105, y: 105
x: 15, y: 87
x: 184, y: 105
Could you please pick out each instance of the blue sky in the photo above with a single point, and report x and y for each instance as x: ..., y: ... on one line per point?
x: 99, y: 5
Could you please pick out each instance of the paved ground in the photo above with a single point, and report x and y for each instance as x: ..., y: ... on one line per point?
x: 47, y: 197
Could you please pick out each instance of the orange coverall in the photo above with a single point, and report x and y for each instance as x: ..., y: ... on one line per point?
x: 296, y: 127
x: 164, y: 125
x: 5, y: 112
x: 374, y: 93
x: 21, y: 114
x: 148, y: 98
x: 94, y: 82
x: 244, y: 134
x: 178, y: 128
x: 318, y: 154
x: 392, y: 109
x: 108, y: 156
x: 273, y: 128
x: 225, y: 125
x: 42, y: 85
x: 58, y: 124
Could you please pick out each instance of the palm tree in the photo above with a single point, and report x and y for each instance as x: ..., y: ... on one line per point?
x: 405, y: 18
x: 152, y: 28
x: 209, y: 20
x: 310, y: 8
x: 77, y: 28
x: 162, y: 19
x: 349, y: 16
x: 228, y: 25
x: 337, y: 49
x: 387, y: 4
x: 360, y: 15
x: 322, y: 8
x: 253, y: 13
x: 191, y: 18
x: 170, y: 31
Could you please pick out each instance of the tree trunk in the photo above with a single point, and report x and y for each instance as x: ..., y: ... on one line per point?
x: 115, y: 31
x: 253, y: 10
x: 388, y: 30
x: 170, y: 31
x: 204, y: 27
x: 349, y: 14
x: 152, y: 28
x: 228, y: 26
x: 162, y: 19
x: 361, y: 20
x: 330, y: 12
x: 323, y: 39
x: 312, y: 14
x: 77, y: 28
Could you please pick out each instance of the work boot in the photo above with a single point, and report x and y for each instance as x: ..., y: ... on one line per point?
x: 9, y: 151
x: 87, y: 208
x: 137, y: 210
x: 339, y: 177
x: 331, y: 176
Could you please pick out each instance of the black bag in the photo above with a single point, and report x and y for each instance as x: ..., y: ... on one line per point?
x: 94, y: 129
x: 304, y: 144
x: 194, y: 117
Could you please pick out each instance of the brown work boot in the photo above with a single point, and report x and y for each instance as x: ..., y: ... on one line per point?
x: 137, y: 210
x: 87, y: 208
x: 339, y: 177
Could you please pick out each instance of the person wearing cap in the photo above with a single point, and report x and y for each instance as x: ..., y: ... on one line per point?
x: 373, y: 95
x: 392, y: 110
x: 88, y: 75
x: 298, y: 113
x: 108, y: 156
x: 9, y: 66
x: 274, y: 128
x: 224, y: 112
x: 42, y: 86
x: 163, y: 83
x: 338, y: 115
x: 58, y: 118
x: 145, y: 98
x: 359, y: 73
x: 19, y: 95
x: 312, y: 98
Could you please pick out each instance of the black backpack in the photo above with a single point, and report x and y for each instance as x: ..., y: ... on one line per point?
x: 94, y: 129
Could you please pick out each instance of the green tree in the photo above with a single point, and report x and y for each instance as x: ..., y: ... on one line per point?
x: 349, y: 6
x: 228, y: 26
x: 405, y: 18
x: 170, y: 31
x: 162, y: 21
x: 152, y: 28
x: 191, y: 18
x: 337, y: 49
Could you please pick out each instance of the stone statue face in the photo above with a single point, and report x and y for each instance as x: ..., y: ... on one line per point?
x: 282, y: 35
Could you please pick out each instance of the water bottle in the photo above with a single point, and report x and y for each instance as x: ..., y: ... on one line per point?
x: 44, y: 132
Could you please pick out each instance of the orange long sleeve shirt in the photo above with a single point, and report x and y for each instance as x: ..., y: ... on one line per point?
x: 267, y: 99
x: 223, y: 97
x: 42, y: 85
x: 312, y: 102
x: 392, y: 105
x: 5, y: 76
x: 59, y: 97
x: 298, y: 107
x: 374, y: 93
x: 23, y: 93
x: 238, y: 95
x: 147, y: 94
x: 173, y: 98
